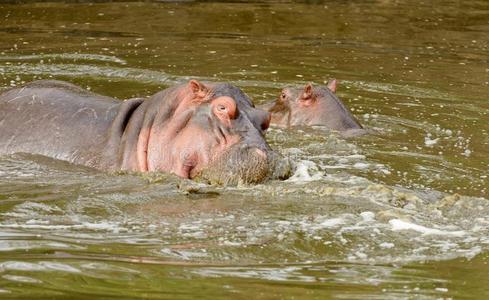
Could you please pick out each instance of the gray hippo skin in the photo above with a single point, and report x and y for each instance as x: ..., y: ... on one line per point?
x: 200, y: 130
x: 313, y: 105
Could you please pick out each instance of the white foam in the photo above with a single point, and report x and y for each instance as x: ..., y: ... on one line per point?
x: 104, y: 226
x: 20, y: 266
x: 361, y: 166
x: 387, y: 245
x: 100, y: 226
x: 54, y: 266
x: 430, y: 142
x: 21, y: 278
x: 276, y: 274
x: 332, y: 222
x: 303, y: 172
x: 367, y: 216
x: 73, y: 56
x: 398, y: 225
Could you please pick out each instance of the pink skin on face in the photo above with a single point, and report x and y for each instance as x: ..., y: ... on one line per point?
x: 180, y: 145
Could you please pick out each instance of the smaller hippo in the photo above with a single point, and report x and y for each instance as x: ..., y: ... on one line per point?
x: 313, y: 105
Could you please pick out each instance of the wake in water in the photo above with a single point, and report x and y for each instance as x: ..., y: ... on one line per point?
x: 321, y: 213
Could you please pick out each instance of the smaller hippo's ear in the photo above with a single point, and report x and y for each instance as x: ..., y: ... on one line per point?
x: 332, y: 85
x: 199, y: 89
x: 307, y: 91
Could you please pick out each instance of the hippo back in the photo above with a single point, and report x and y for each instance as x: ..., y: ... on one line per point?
x: 333, y: 113
x: 55, y: 119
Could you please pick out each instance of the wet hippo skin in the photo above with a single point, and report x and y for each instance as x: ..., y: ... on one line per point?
x: 206, y: 130
x: 313, y: 105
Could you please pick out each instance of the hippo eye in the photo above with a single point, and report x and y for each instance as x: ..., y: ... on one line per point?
x: 283, y: 96
x: 225, y: 109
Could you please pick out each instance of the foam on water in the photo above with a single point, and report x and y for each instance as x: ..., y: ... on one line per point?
x: 64, y: 56
x: 21, y: 279
x: 305, y: 170
x: 403, y: 225
x: 101, y: 72
x: 97, y: 71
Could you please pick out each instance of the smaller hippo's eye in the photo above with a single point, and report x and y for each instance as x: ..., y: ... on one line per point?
x: 222, y: 108
x: 283, y: 96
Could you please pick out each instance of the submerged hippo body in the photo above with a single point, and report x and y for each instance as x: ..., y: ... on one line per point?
x: 205, y: 130
x: 313, y: 105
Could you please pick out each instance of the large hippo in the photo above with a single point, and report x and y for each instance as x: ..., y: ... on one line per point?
x: 313, y: 105
x: 210, y: 131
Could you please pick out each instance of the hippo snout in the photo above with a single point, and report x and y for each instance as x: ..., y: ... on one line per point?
x: 246, y: 164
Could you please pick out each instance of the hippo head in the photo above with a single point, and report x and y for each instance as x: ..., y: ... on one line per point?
x: 312, y: 105
x: 209, y: 131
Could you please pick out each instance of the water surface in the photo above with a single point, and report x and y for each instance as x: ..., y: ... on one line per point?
x: 400, y: 213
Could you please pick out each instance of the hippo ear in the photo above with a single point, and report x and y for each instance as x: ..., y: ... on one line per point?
x: 332, y: 85
x: 199, y: 89
x: 307, y: 95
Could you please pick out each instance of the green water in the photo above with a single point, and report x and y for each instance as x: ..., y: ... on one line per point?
x: 400, y: 213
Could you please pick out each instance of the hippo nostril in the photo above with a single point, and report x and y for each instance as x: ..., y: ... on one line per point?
x: 266, y: 121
